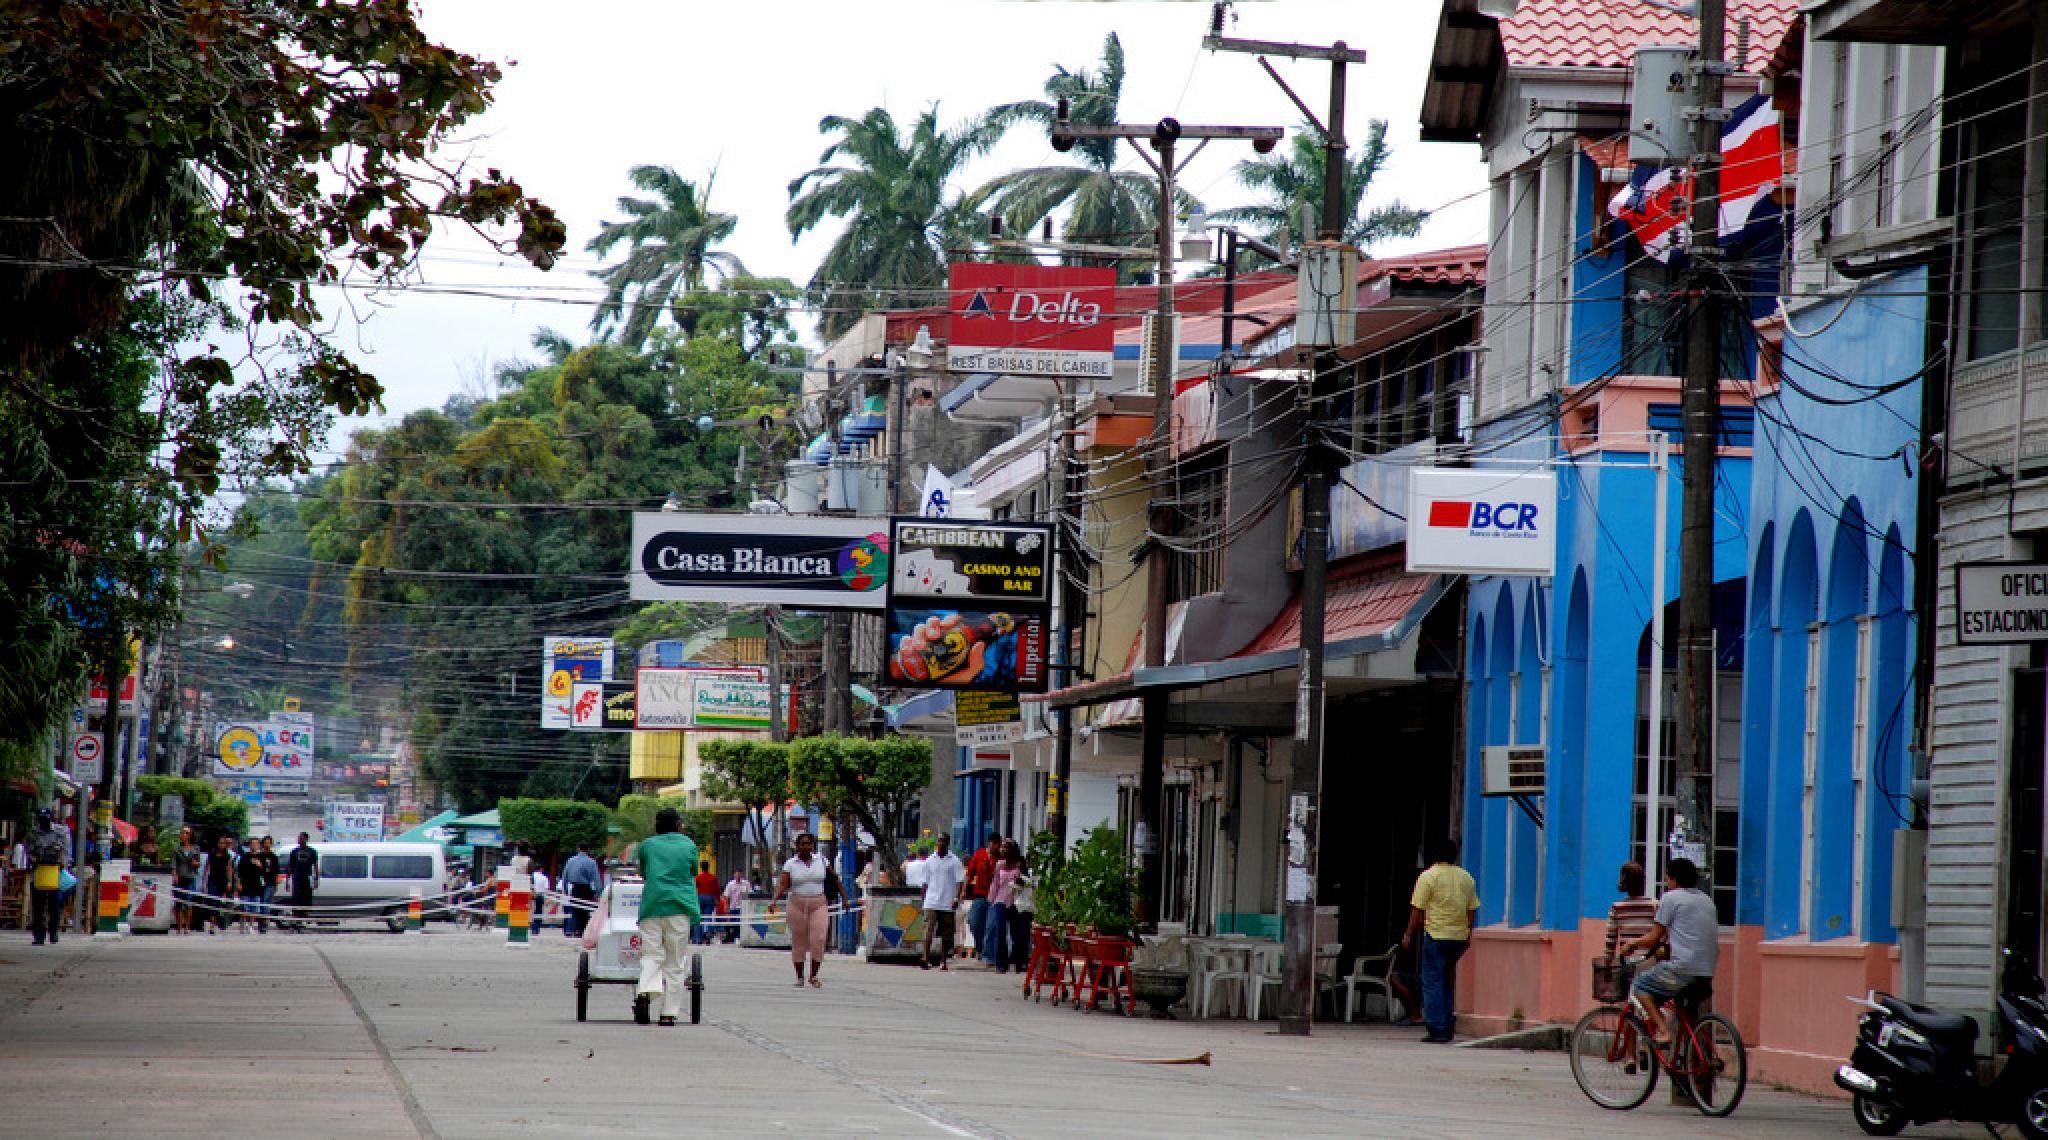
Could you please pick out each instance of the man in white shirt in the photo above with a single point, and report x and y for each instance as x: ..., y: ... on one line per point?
x: 943, y: 872
x: 913, y: 870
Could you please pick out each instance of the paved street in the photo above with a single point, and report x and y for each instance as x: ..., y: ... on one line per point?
x: 453, y: 1034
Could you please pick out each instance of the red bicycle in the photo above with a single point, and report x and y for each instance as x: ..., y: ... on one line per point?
x: 1615, y: 1060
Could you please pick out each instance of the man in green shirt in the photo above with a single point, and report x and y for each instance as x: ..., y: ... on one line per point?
x: 668, y: 906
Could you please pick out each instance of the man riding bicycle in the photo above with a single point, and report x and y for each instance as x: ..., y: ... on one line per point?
x: 1687, y: 920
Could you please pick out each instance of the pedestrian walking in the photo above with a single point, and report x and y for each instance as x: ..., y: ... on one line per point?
x: 185, y: 876
x: 668, y: 906
x: 943, y: 873
x: 272, y: 867
x: 1632, y: 915
x: 707, y: 900
x: 1004, y: 947
x: 218, y: 875
x: 47, y: 850
x: 807, y: 880
x: 729, y: 904
x: 1442, y: 910
x: 981, y: 868
x: 302, y: 876
x: 249, y: 887
x: 584, y: 880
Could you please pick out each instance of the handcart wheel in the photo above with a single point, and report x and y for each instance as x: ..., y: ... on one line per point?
x: 643, y: 1009
x: 696, y: 985
x: 583, y: 985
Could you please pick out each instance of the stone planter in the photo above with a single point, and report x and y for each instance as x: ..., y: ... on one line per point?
x: 892, y: 927
x: 757, y: 928
x: 1159, y: 989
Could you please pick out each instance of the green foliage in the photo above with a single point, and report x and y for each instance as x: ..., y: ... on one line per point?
x: 668, y: 246
x: 892, y: 189
x: 207, y: 811
x: 554, y: 826
x: 634, y: 817
x: 751, y: 772
x: 1094, y: 888
x: 1293, y: 178
x: 875, y: 779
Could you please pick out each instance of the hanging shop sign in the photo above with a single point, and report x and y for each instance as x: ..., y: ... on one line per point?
x: 564, y: 662
x: 237, y: 750
x: 701, y: 698
x: 969, y: 605
x: 1031, y: 320
x: 792, y: 560
x: 1484, y: 521
x: 602, y: 706
x: 984, y: 719
x: 2001, y: 603
x: 354, y: 821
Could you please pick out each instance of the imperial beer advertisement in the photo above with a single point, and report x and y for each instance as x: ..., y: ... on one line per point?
x: 969, y: 605
x: 967, y: 649
x: 791, y: 560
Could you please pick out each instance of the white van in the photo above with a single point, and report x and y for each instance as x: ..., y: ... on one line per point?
x: 375, y: 880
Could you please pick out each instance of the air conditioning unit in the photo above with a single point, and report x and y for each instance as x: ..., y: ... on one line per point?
x: 1513, y: 769
x: 1148, y: 351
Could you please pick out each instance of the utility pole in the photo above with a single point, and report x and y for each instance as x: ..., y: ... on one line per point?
x: 1164, y: 137
x: 1304, y: 801
x: 1700, y: 407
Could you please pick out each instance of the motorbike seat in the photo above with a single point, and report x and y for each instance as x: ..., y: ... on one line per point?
x: 1933, y: 1022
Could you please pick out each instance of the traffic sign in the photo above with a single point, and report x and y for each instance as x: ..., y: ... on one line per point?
x: 87, y: 748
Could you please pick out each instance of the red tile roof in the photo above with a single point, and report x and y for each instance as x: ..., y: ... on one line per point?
x: 1368, y: 596
x: 1459, y: 265
x: 1605, y: 33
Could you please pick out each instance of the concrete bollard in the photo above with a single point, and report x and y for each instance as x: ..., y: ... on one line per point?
x: 413, y: 922
x: 503, y: 917
x: 519, y: 914
x: 107, y: 906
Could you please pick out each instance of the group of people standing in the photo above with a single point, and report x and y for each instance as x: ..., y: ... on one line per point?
x: 238, y: 881
x: 995, y: 884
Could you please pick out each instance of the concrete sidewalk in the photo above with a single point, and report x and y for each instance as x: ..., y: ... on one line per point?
x: 453, y: 1034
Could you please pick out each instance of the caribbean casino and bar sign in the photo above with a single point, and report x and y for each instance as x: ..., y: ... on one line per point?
x: 969, y: 605
x: 803, y: 561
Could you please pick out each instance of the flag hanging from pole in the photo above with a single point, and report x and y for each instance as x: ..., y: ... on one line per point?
x: 1656, y: 204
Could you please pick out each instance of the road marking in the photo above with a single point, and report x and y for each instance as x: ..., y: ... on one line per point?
x: 951, y: 1122
x: 411, y: 1102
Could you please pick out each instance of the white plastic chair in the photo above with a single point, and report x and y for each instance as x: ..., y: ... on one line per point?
x: 1265, y: 972
x: 1222, y: 970
x: 1369, y: 973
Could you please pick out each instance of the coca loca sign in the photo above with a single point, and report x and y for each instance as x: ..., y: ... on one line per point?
x: 1033, y: 320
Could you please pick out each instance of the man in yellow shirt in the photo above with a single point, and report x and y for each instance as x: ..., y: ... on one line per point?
x: 1443, y: 910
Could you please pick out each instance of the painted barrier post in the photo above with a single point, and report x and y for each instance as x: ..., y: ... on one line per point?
x: 413, y: 923
x: 127, y: 894
x: 503, y: 917
x: 520, y: 911
x: 107, y: 913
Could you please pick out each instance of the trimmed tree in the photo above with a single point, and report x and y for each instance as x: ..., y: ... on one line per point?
x: 753, y: 774
x: 634, y: 817
x: 554, y: 826
x: 876, y: 780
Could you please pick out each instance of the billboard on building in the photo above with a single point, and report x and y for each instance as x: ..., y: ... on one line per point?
x: 803, y: 561
x: 566, y: 660
x: 602, y: 706
x: 1482, y: 521
x: 1032, y: 320
x: 701, y: 698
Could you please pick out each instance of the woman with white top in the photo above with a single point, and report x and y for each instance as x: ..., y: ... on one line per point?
x: 803, y: 880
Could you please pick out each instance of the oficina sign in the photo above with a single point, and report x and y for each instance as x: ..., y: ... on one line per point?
x: 1485, y: 521
x: 1032, y: 320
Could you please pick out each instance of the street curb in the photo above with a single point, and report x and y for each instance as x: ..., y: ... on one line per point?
x: 1541, y: 1038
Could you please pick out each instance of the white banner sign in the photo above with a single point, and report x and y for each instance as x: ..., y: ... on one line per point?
x: 1485, y: 521
x: 354, y: 821
x: 988, y: 735
x: 2001, y: 603
x: 700, y: 698
x: 566, y: 661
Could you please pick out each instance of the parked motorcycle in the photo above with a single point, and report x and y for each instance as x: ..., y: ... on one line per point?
x: 1914, y: 1064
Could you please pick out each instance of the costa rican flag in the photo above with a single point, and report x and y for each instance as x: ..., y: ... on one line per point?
x: 1650, y: 206
x: 1752, y: 165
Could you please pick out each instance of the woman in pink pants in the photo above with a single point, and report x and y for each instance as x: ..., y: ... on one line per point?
x: 803, y: 881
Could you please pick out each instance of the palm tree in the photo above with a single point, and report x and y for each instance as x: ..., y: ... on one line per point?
x: 1293, y: 179
x: 1105, y: 205
x: 891, y: 189
x: 669, y: 240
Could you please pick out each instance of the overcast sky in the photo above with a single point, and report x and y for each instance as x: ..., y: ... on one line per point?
x: 594, y: 88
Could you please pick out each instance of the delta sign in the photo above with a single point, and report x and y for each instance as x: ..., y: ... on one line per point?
x: 1031, y: 320
x: 1485, y: 521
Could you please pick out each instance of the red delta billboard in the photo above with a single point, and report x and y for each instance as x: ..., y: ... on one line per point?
x: 1032, y: 320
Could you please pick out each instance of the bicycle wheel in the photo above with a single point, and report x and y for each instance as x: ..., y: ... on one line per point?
x: 1715, y: 1064
x: 1611, y: 1058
